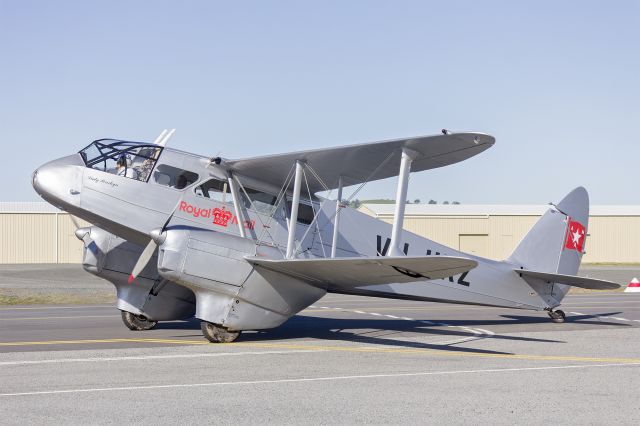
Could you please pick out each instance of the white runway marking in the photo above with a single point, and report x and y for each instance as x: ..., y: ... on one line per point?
x: 318, y: 379
x: 489, y: 332
x: 603, y: 317
x: 148, y: 357
x: 477, y: 332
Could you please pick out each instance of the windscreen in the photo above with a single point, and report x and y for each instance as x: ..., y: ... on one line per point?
x: 133, y: 160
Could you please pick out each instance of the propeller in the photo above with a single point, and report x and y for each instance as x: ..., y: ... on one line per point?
x: 164, y: 137
x: 81, y: 231
x: 147, y: 253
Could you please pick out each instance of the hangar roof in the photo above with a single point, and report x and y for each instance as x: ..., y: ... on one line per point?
x: 27, y: 207
x: 388, y: 209
x: 489, y: 210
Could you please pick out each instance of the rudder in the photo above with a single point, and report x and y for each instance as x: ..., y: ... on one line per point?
x: 555, y: 244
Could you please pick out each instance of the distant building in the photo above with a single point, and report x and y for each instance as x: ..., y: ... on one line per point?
x: 493, y: 231
x: 39, y: 233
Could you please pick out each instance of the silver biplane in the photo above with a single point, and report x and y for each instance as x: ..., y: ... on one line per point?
x: 246, y: 244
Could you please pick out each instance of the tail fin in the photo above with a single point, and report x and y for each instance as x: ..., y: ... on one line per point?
x: 555, y: 244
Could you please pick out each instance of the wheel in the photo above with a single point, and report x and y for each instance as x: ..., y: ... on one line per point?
x: 557, y: 316
x: 137, y: 322
x: 218, y: 334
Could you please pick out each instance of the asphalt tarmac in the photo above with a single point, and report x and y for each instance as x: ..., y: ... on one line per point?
x: 346, y: 360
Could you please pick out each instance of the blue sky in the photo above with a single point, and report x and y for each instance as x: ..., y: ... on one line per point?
x: 558, y: 85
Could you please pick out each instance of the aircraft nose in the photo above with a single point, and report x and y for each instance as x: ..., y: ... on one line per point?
x: 43, y: 180
x: 35, y: 182
x: 57, y: 181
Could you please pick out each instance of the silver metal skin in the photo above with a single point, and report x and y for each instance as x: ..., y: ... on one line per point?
x: 112, y: 258
x: 208, y: 261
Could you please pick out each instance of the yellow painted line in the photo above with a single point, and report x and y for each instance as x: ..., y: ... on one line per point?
x: 47, y: 318
x: 45, y: 307
x: 81, y: 342
x: 442, y: 353
x: 353, y: 349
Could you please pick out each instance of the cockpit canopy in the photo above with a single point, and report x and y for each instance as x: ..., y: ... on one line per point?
x: 134, y: 160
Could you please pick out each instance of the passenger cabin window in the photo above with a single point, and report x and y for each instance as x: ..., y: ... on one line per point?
x: 173, y: 177
x: 134, y: 160
x: 305, y: 213
x: 215, y: 189
x: 259, y: 201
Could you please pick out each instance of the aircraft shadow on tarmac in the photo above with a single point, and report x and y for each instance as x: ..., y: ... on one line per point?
x: 382, y: 332
x: 595, y: 319
x: 577, y: 319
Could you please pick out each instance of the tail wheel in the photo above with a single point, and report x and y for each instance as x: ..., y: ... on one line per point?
x: 137, y: 322
x: 218, y: 334
x: 557, y: 316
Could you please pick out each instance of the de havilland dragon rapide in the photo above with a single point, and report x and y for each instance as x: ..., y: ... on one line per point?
x: 245, y: 244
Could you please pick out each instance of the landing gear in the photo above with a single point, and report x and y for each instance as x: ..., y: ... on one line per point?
x: 556, y: 316
x: 218, y: 334
x: 137, y: 322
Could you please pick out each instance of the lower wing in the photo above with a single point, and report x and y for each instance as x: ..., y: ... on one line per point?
x: 353, y: 272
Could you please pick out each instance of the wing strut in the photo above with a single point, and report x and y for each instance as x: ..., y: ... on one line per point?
x: 236, y: 204
x: 293, y: 220
x: 336, y: 223
x: 401, y: 199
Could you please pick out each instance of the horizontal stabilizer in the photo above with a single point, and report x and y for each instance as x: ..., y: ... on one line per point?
x: 571, y: 280
x: 352, y: 272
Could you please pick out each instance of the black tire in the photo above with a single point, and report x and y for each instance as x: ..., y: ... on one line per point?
x: 137, y: 322
x: 557, y: 316
x: 218, y: 334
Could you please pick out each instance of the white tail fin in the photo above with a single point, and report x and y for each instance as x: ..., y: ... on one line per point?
x: 555, y: 244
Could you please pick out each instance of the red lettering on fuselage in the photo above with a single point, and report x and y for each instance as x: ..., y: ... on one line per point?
x: 221, y: 216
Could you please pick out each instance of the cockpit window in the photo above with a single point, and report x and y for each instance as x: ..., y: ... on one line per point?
x: 174, y: 177
x: 134, y: 160
x: 215, y: 189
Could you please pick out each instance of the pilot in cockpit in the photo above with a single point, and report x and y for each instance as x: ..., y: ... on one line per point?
x: 123, y: 169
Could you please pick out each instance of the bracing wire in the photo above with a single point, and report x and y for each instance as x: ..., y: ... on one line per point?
x: 315, y: 216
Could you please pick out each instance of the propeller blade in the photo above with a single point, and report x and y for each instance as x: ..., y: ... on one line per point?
x: 160, y: 137
x: 75, y: 221
x: 149, y: 249
x: 163, y: 142
x: 143, y: 260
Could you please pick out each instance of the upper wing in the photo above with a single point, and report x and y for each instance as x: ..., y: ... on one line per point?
x: 572, y: 280
x: 357, y: 163
x: 354, y: 272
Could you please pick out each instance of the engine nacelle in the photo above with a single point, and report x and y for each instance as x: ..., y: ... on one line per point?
x: 150, y: 295
x: 229, y: 290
